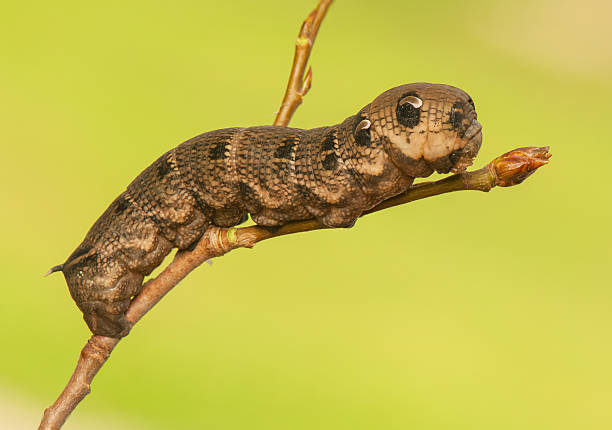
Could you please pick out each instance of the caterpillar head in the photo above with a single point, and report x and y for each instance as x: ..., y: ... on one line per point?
x: 424, y: 128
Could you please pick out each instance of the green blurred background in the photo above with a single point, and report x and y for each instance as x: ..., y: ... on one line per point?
x: 465, y: 311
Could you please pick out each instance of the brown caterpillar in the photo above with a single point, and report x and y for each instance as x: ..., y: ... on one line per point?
x: 275, y: 174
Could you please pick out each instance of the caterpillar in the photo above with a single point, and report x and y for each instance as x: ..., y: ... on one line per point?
x: 275, y: 174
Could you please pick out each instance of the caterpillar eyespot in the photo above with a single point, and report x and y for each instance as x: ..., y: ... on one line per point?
x: 414, y: 101
x: 275, y: 174
x: 363, y: 125
x: 362, y: 133
x: 408, y: 110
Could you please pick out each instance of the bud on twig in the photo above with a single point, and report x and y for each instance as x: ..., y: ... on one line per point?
x: 515, y: 166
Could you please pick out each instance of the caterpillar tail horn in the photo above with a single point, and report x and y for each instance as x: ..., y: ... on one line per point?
x: 57, y: 268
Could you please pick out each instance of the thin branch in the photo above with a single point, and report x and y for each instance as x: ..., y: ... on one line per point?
x: 299, y: 84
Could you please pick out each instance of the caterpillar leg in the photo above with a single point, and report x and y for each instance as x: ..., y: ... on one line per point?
x: 341, y: 217
x: 106, y: 319
x: 102, y: 289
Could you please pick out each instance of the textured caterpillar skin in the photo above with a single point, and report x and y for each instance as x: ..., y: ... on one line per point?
x: 275, y: 174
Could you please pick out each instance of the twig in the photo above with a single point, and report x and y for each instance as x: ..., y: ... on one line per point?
x: 298, y: 84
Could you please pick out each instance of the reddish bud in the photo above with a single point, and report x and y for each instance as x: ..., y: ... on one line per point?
x: 515, y: 166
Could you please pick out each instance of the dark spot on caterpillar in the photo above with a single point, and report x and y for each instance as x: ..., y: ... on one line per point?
x: 330, y: 162
x: 285, y: 149
x: 79, y: 252
x: 362, y: 136
x: 121, y: 204
x: 456, y: 115
x: 406, y: 113
x: 454, y: 156
x: 470, y: 101
x: 164, y: 167
x: 328, y: 143
x: 217, y: 151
